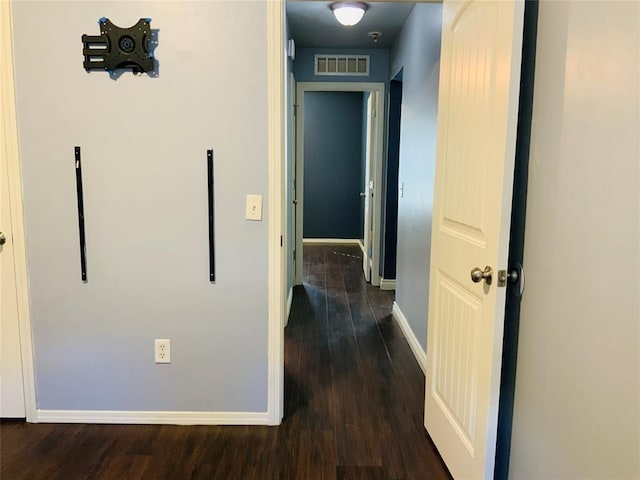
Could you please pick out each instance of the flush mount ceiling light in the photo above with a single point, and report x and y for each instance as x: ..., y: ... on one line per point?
x: 349, y: 13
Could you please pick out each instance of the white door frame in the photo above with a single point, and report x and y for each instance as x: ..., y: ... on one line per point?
x: 276, y: 208
x: 10, y: 153
x: 379, y: 88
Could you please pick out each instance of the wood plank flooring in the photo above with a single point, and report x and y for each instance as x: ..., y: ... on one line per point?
x: 353, y: 406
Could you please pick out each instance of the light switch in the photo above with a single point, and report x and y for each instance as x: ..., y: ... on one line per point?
x: 254, y: 207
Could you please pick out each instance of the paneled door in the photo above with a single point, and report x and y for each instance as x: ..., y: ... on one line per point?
x: 11, y: 383
x: 368, y: 191
x: 477, y: 119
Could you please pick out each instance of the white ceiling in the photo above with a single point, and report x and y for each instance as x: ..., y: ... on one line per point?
x: 312, y: 25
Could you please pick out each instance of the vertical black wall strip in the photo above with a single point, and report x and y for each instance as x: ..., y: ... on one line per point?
x: 83, y: 244
x: 212, y: 238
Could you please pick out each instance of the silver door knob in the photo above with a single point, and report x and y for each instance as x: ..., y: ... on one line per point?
x: 3, y: 238
x: 362, y: 194
x: 478, y: 275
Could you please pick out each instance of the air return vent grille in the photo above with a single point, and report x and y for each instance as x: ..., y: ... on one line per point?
x: 342, y: 65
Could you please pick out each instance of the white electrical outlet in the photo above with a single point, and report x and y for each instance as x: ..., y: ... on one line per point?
x: 162, y: 350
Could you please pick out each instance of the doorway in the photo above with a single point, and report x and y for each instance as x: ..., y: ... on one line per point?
x: 414, y: 191
x: 371, y: 198
x: 392, y: 187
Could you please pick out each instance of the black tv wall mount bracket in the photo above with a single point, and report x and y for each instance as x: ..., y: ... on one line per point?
x: 119, y: 48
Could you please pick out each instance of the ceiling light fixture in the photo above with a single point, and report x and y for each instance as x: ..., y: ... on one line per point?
x: 349, y: 13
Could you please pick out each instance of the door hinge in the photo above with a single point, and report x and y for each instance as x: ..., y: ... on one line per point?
x: 281, y: 240
x: 294, y: 255
x: 295, y: 110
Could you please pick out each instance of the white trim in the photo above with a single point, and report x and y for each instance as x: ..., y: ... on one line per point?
x: 362, y: 247
x: 289, y: 304
x: 331, y: 241
x: 386, y: 284
x: 10, y: 150
x: 379, y: 88
x: 276, y: 208
x: 162, y: 418
x: 416, y: 348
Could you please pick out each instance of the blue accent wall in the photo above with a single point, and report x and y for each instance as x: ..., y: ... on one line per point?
x: 332, y: 165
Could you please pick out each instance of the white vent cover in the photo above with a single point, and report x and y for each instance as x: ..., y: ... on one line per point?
x: 342, y: 65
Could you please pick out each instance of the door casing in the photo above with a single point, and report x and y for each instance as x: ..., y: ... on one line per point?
x: 377, y: 158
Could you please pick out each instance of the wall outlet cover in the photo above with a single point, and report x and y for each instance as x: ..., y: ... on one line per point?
x: 162, y: 350
x: 254, y: 208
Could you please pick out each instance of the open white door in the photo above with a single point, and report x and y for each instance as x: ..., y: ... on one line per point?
x: 11, y: 384
x: 12, y: 397
x: 477, y: 119
x: 368, y: 187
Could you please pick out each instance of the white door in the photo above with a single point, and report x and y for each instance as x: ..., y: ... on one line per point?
x: 11, y: 385
x: 368, y: 187
x: 477, y: 116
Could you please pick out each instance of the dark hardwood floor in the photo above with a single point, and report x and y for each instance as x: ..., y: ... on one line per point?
x: 353, y: 410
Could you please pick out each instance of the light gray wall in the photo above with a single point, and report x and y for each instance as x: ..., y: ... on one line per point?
x: 144, y: 164
x: 578, y: 376
x: 418, y: 51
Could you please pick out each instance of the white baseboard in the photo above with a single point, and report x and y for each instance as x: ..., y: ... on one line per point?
x: 387, y: 284
x: 362, y: 247
x: 148, y: 418
x: 325, y: 241
x: 289, y: 303
x: 416, y: 348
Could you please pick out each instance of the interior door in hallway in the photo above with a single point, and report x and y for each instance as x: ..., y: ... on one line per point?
x: 11, y: 383
x: 369, y: 186
x: 477, y: 119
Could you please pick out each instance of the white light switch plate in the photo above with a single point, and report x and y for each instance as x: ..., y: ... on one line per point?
x: 254, y: 207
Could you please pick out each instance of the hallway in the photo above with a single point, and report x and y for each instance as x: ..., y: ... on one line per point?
x: 353, y: 406
x: 351, y: 380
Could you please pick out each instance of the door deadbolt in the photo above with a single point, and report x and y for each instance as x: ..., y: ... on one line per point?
x: 478, y: 275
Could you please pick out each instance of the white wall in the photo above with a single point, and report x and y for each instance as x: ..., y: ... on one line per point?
x: 144, y: 144
x: 418, y: 51
x: 577, y: 404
